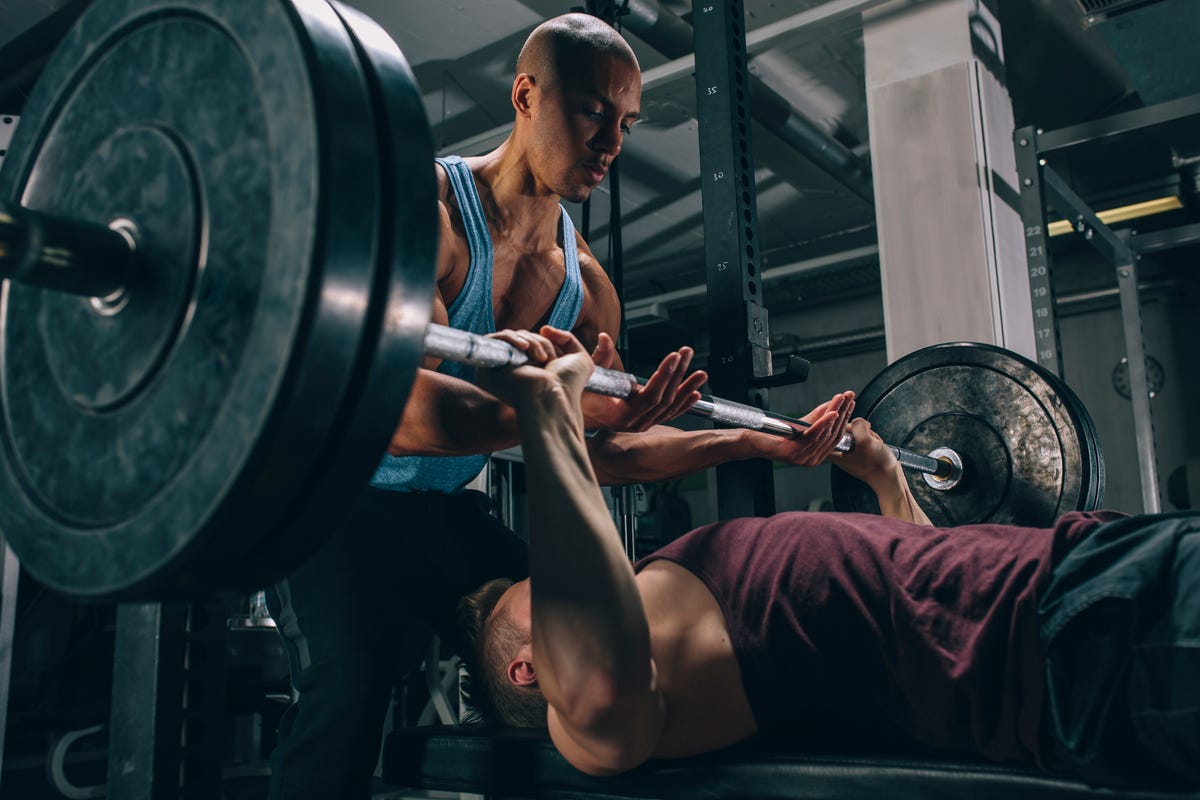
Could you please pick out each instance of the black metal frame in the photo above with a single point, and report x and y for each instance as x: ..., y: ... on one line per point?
x: 1158, y: 241
x: 9, y: 575
x: 1125, y: 122
x: 166, y: 736
x: 23, y: 57
x: 1037, y: 253
x: 739, y: 340
x: 1042, y: 187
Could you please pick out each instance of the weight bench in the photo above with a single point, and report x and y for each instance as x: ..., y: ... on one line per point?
x: 517, y: 763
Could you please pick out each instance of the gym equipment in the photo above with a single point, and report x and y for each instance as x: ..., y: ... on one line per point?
x: 217, y: 222
x: 1029, y: 448
x: 481, y: 351
x: 196, y: 425
x: 1003, y: 439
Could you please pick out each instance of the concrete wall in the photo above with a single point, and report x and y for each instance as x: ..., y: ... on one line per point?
x: 1092, y: 348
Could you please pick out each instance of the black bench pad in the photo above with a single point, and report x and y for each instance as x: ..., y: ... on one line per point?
x: 511, y: 763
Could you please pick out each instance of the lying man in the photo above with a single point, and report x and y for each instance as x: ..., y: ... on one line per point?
x: 1076, y: 648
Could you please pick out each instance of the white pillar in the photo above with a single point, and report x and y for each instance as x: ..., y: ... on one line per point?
x: 951, y: 245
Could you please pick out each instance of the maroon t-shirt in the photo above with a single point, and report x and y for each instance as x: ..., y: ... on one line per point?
x: 871, y: 621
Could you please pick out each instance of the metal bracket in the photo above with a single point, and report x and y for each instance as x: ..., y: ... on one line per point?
x: 795, y: 371
x: 1117, y: 249
x: 1111, y: 245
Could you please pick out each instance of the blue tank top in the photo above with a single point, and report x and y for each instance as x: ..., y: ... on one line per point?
x: 471, y: 311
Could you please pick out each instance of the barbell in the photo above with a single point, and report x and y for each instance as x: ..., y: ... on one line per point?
x: 481, y: 351
x: 1006, y: 441
x: 218, y: 232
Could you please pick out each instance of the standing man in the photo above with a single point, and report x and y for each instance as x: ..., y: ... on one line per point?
x: 356, y: 616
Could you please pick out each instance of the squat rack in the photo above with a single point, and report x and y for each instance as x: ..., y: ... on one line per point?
x: 1041, y: 188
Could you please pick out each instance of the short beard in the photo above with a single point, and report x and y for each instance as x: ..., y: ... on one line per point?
x: 578, y: 196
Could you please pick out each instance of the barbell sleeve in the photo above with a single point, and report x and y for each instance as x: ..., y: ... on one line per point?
x: 920, y: 463
x: 62, y: 254
x: 464, y: 347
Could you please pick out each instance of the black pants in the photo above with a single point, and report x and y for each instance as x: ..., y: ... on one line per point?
x: 1120, y: 624
x: 357, y: 617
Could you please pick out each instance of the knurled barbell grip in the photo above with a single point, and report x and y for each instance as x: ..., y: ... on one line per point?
x: 482, y: 351
x: 915, y: 461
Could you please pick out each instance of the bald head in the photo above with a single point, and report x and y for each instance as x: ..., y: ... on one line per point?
x: 577, y: 91
x: 559, y: 45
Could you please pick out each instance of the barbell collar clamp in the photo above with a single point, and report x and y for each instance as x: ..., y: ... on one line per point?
x: 950, y: 471
x: 66, y: 255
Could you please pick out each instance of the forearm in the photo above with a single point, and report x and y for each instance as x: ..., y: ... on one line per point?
x: 590, y: 636
x: 896, y: 499
x: 448, y: 416
x: 663, y: 452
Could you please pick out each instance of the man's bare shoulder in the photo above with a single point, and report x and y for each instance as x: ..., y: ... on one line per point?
x: 595, y: 280
x: 453, y: 249
x: 445, y: 192
x: 601, y: 307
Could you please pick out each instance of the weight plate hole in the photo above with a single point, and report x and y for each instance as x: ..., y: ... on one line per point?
x: 111, y: 304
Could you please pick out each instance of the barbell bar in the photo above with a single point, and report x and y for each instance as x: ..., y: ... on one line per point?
x: 64, y: 254
x: 482, y: 351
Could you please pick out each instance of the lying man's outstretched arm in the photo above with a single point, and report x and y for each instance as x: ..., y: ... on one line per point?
x: 874, y: 463
x: 591, y: 642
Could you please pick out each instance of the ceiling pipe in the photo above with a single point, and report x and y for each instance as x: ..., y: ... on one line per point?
x: 672, y: 36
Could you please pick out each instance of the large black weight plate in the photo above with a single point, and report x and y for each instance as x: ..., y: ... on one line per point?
x: 1091, y: 439
x: 170, y: 443
x: 1029, y: 448
x: 398, y: 308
